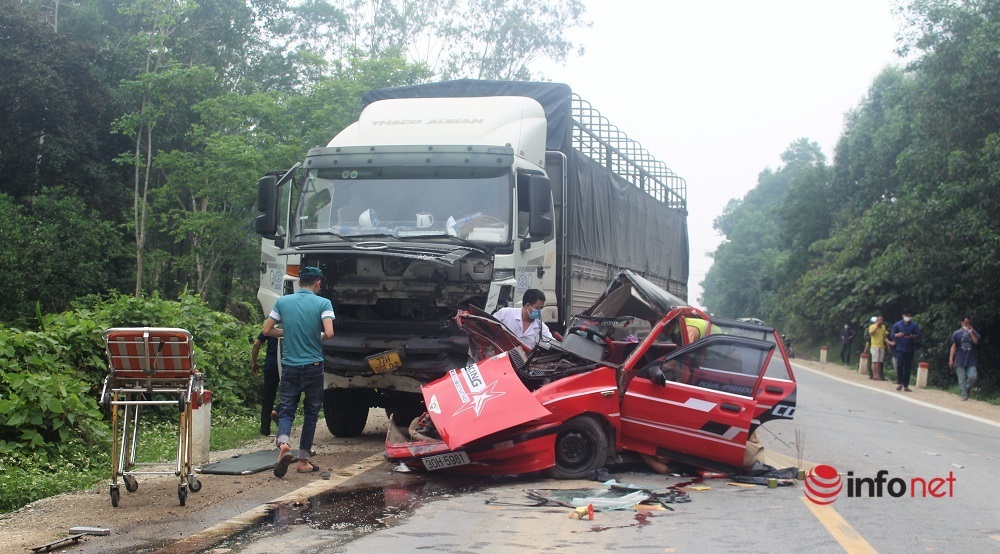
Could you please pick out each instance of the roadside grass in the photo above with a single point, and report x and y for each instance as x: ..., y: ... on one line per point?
x: 25, y: 479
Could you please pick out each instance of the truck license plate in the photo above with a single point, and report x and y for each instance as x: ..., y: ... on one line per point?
x: 442, y: 461
x: 385, y: 362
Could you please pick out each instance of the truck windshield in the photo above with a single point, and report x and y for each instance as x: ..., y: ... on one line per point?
x: 472, y: 204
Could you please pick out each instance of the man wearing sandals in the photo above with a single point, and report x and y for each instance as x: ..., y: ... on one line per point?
x: 306, y: 320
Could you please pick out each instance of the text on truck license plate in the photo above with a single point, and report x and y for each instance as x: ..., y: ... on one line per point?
x: 385, y: 362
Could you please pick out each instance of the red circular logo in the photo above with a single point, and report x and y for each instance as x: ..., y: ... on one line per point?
x: 823, y: 484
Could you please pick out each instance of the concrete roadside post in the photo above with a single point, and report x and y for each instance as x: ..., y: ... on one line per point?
x: 201, y: 428
x: 923, y: 368
x: 822, y: 355
x: 863, y: 364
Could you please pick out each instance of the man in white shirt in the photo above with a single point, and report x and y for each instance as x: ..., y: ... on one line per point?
x: 526, y: 322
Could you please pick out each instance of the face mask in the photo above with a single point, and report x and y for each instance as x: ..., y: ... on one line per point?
x: 535, y: 314
x: 906, y: 319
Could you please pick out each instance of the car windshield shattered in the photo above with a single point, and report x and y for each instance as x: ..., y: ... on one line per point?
x: 473, y: 204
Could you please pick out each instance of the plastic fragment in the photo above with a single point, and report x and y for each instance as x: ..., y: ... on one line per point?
x: 582, y: 512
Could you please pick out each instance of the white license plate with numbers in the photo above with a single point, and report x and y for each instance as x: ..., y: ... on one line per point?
x: 442, y: 461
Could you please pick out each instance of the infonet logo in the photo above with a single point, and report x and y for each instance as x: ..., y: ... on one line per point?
x: 824, y: 483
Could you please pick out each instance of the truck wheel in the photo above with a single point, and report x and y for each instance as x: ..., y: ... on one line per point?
x: 581, y: 447
x: 345, y: 411
x: 405, y: 410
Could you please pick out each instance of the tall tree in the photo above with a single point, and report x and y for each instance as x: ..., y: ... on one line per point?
x: 153, y: 89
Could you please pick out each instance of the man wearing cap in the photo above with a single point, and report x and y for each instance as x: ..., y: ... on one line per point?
x: 904, y: 334
x: 306, y: 320
x: 877, y: 335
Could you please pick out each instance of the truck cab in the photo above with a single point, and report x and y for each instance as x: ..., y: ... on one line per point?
x: 430, y: 203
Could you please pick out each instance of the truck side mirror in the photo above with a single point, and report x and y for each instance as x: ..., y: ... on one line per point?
x: 266, y: 223
x: 540, y: 197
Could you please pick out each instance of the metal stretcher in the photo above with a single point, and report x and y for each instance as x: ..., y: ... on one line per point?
x: 149, y: 366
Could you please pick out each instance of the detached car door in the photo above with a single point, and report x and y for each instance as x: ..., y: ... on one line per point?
x: 702, y: 413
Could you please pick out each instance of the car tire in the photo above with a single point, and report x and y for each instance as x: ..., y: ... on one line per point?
x: 345, y: 412
x: 581, y: 448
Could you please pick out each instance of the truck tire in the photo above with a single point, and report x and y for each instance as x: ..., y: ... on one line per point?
x: 581, y: 448
x: 404, y: 410
x: 345, y: 411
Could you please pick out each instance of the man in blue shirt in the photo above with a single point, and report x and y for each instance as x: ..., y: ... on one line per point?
x: 962, y: 357
x: 904, y: 334
x: 306, y: 320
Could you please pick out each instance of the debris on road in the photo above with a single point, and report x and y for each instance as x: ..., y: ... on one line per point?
x: 76, y: 533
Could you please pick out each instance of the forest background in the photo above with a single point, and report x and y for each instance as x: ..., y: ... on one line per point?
x: 907, y: 215
x: 132, y: 133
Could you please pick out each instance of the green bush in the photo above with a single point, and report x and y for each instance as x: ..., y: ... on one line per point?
x: 54, y: 437
x: 222, y: 344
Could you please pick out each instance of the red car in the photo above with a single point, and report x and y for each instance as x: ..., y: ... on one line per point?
x: 566, y: 406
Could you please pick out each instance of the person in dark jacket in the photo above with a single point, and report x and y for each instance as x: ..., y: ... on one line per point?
x: 846, y: 337
x: 271, y: 378
x: 904, y: 334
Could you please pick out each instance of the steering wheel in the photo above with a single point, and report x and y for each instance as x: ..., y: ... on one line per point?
x: 595, y: 334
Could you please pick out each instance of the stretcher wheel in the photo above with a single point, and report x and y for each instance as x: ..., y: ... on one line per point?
x: 193, y: 483
x: 114, y: 496
x: 182, y: 494
x: 180, y: 403
x: 131, y: 484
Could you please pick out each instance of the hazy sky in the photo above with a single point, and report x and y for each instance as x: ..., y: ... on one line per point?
x: 718, y: 90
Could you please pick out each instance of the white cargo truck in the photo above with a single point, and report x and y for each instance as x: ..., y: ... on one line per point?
x: 461, y: 193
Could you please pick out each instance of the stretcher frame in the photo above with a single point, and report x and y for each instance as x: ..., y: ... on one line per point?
x: 149, y: 366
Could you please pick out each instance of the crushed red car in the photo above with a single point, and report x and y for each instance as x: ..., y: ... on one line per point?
x: 639, y: 371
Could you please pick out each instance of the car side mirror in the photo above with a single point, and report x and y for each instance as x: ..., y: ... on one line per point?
x: 657, y: 377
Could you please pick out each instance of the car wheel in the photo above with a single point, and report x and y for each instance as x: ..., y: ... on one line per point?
x: 345, y: 411
x: 581, y: 447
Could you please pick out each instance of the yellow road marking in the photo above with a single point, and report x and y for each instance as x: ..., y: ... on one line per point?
x: 850, y: 540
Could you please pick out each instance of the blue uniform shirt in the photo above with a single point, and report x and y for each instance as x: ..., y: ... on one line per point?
x: 301, y: 316
x: 904, y: 344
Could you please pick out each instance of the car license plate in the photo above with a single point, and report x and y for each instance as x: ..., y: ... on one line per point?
x: 385, y: 362
x: 442, y: 461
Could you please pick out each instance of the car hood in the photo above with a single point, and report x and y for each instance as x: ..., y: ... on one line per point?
x: 632, y: 295
x: 478, y: 400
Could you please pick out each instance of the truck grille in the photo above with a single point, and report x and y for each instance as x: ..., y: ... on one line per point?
x: 394, y: 328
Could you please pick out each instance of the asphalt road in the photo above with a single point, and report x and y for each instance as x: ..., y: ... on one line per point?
x: 856, y: 430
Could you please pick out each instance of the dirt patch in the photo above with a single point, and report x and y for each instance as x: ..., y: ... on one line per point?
x: 152, y: 517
